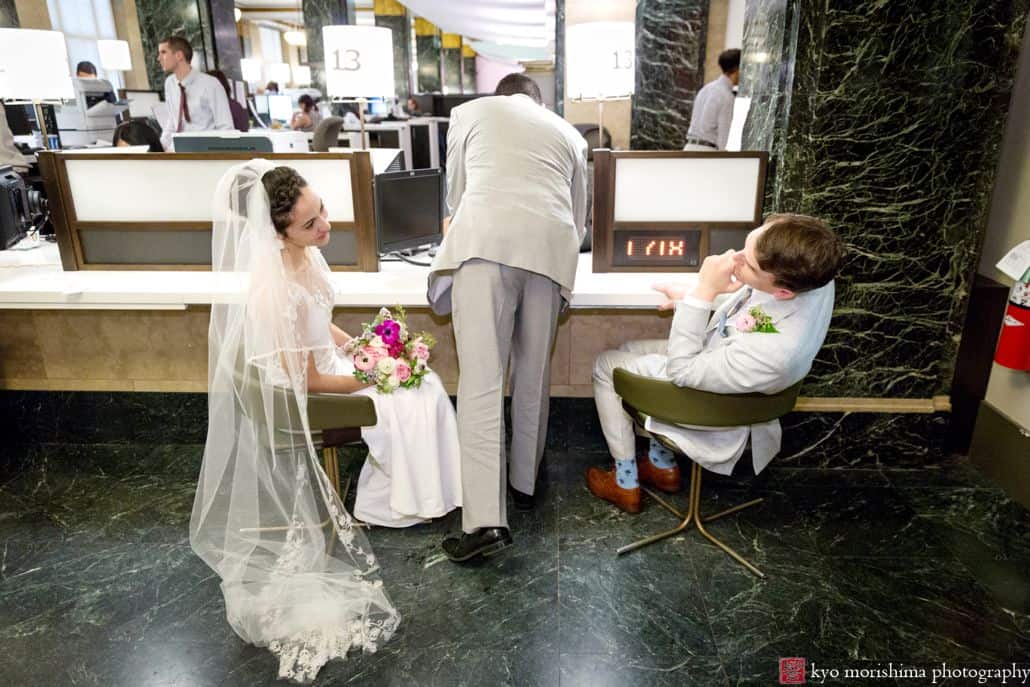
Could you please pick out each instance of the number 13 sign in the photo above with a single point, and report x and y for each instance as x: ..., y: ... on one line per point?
x: 358, y: 61
x: 599, y: 59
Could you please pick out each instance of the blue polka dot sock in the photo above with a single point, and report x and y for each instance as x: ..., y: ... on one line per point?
x: 660, y: 456
x: 626, y: 473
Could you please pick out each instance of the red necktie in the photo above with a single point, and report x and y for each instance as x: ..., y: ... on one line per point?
x: 184, y: 108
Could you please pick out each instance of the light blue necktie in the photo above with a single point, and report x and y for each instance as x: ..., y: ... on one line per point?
x: 726, y: 314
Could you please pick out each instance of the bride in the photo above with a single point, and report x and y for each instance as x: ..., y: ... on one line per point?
x: 298, y: 576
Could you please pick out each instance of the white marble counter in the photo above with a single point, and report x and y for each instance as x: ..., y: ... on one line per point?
x: 33, y: 279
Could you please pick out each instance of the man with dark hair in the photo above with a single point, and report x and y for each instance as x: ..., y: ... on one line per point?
x: 762, y: 338
x: 514, y: 84
x: 196, y: 101
x: 516, y: 187
x: 86, y: 70
x: 713, y: 107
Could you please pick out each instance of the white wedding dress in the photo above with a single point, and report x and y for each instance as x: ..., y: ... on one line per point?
x: 413, y: 471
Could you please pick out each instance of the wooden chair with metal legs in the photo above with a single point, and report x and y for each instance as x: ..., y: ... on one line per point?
x: 645, y: 397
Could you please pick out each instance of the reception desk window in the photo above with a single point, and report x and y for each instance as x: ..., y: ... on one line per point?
x: 153, y: 212
x: 667, y: 211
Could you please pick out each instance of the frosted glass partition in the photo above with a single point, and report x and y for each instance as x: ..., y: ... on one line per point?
x: 687, y: 189
x: 163, y: 190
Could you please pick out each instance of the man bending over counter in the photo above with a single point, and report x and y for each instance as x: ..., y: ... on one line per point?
x: 763, y: 338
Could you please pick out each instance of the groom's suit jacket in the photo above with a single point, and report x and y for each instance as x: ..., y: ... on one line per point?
x: 700, y: 356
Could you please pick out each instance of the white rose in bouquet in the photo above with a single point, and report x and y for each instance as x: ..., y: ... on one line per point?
x: 386, y: 366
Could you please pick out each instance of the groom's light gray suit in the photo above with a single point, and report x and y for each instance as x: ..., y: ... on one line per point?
x: 516, y: 178
x: 706, y: 351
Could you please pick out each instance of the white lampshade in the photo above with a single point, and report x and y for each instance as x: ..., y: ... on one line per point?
x: 236, y: 12
x: 599, y: 59
x: 358, y: 61
x: 279, y: 72
x: 115, y: 55
x: 34, y: 65
x: 302, y: 75
x: 296, y: 37
x: 251, y: 69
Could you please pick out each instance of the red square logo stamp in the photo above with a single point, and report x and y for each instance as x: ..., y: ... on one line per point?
x: 792, y: 671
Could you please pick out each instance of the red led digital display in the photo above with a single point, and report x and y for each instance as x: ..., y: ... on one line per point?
x: 679, y: 248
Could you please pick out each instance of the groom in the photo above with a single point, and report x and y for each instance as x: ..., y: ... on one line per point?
x: 763, y: 338
x: 516, y: 184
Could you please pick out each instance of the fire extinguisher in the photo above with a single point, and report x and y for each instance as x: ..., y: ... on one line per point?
x: 1014, y: 343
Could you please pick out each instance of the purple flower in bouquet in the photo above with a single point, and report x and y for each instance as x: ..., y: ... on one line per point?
x: 396, y: 349
x: 390, y: 331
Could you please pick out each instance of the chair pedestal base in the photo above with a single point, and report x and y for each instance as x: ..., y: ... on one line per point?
x: 693, y: 517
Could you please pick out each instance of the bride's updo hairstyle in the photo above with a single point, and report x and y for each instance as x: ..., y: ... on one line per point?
x: 283, y: 186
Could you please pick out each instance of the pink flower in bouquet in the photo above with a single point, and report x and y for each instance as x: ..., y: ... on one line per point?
x: 390, y: 331
x: 396, y: 349
x: 364, y: 361
x: 374, y: 352
x: 420, y: 350
x: 403, y: 371
x: 746, y: 323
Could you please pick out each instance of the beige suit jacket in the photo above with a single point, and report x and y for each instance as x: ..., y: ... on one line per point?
x: 516, y: 188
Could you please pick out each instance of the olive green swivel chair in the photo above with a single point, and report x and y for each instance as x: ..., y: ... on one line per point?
x: 335, y: 420
x: 645, y: 397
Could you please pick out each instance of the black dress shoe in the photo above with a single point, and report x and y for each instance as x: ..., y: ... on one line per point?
x: 522, y: 501
x: 483, y: 542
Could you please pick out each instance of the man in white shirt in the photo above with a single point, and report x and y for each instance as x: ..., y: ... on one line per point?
x: 763, y: 338
x: 516, y: 184
x: 205, y: 106
x: 713, y: 107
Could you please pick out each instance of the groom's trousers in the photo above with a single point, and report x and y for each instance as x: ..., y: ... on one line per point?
x: 501, y: 313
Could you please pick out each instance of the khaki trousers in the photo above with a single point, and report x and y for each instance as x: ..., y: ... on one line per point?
x: 502, y: 315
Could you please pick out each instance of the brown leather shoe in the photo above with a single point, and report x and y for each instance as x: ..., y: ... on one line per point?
x: 662, y: 479
x: 602, y: 484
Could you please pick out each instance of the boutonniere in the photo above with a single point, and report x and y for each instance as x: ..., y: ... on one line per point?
x: 756, y: 320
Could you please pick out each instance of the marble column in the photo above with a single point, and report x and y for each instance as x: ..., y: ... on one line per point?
x: 885, y: 120
x: 392, y: 15
x: 559, y: 57
x: 468, y: 69
x: 450, y: 62
x: 159, y: 19
x: 8, y: 15
x: 227, y: 51
x: 427, y: 46
x: 670, y: 63
x: 319, y: 13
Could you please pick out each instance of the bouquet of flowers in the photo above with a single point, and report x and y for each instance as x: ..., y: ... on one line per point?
x: 387, y: 355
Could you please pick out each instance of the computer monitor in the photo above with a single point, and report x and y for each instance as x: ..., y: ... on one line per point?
x: 215, y: 144
x: 261, y: 104
x: 378, y: 106
x: 141, y: 103
x: 280, y: 107
x: 409, y: 209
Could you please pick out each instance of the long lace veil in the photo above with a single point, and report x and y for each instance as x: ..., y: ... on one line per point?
x: 297, y: 575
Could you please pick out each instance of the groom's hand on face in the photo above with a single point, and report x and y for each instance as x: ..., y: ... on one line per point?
x: 716, y: 276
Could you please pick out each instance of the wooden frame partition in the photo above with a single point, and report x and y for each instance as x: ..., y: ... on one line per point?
x: 700, y: 231
x: 64, y: 209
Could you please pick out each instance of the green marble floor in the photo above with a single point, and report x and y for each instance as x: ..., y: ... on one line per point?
x: 98, y: 585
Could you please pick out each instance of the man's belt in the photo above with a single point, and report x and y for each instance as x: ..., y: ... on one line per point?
x: 700, y: 142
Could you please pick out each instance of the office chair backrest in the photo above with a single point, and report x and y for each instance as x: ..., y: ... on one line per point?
x: 326, y: 134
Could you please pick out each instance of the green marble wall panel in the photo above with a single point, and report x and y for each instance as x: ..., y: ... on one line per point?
x: 159, y: 19
x: 885, y: 119
x: 428, y: 60
x: 670, y: 67
x: 400, y: 29
x: 8, y: 15
x: 450, y: 67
